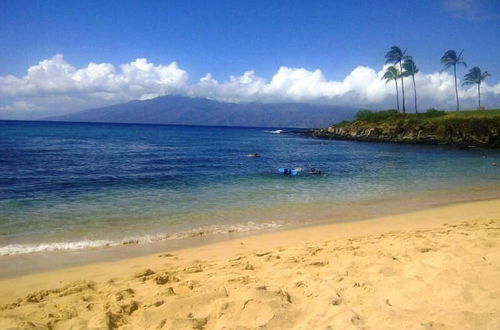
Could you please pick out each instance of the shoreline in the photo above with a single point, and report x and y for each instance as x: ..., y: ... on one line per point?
x: 342, y: 212
x: 399, y: 270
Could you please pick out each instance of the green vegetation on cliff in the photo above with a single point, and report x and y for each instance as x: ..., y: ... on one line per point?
x: 477, y: 128
x: 393, y: 115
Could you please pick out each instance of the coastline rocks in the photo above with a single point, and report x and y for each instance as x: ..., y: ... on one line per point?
x: 462, y: 134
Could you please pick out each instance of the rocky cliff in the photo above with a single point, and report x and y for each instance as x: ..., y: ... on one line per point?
x: 484, y: 132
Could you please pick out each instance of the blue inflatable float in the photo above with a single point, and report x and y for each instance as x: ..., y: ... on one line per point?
x: 288, y: 171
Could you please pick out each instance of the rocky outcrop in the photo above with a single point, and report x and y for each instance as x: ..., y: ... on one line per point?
x: 481, y: 133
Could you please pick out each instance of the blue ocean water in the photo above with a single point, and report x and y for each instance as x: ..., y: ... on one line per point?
x: 80, y: 185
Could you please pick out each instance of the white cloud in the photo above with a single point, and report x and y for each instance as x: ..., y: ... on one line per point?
x: 54, y: 86
x: 245, y: 88
x: 56, y: 79
x: 361, y: 88
x: 472, y: 10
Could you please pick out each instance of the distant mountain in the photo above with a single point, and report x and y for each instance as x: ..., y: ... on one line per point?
x: 182, y: 110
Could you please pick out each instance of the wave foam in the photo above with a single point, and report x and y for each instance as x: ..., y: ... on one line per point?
x: 13, y: 249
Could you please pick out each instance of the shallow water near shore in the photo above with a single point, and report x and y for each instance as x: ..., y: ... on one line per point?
x: 80, y: 186
x: 318, y: 214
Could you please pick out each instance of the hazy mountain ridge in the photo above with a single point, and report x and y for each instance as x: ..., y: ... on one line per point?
x: 182, y: 110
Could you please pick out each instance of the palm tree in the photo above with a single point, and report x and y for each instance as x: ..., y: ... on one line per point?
x: 410, y: 69
x: 451, y: 58
x: 396, y: 55
x: 476, y: 77
x: 391, y: 73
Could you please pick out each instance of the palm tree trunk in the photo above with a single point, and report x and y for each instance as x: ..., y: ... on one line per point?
x: 397, y: 93
x: 456, y: 89
x: 402, y: 86
x: 479, y: 96
x: 415, y: 92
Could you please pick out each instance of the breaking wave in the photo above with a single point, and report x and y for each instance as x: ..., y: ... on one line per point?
x: 14, y: 249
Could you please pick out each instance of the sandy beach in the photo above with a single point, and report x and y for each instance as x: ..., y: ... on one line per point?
x: 437, y: 268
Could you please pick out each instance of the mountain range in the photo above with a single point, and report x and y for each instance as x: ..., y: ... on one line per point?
x: 183, y: 110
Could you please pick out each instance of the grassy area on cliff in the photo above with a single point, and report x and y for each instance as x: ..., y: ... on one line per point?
x: 431, y: 115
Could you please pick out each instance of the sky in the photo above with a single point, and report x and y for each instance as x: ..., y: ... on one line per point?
x: 65, y: 56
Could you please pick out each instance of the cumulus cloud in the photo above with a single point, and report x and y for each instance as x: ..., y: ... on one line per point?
x: 54, y: 83
x: 363, y: 87
x: 54, y: 86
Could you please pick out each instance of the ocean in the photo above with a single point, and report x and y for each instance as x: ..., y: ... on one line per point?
x: 77, y: 186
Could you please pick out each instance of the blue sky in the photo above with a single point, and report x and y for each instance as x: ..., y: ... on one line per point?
x: 231, y: 37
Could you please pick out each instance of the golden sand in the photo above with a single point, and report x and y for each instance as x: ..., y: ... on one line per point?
x: 432, y: 269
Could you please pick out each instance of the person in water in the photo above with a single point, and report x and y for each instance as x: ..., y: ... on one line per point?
x: 315, y: 171
x: 253, y: 155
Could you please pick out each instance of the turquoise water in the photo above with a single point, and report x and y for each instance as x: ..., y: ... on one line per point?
x: 78, y: 185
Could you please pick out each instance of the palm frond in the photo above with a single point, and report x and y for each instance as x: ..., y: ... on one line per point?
x: 485, y: 75
x: 450, y: 58
x: 410, y: 68
x: 390, y: 73
x: 475, y: 76
x: 394, y: 55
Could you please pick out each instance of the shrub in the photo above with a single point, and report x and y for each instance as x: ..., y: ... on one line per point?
x: 342, y: 123
x: 434, y: 113
x: 373, y: 116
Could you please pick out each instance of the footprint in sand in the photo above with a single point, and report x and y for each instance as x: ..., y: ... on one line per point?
x: 194, y: 269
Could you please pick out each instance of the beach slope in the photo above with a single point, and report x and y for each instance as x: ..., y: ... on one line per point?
x: 432, y: 269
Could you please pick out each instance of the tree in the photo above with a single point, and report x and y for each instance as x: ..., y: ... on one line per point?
x: 391, y: 73
x: 475, y: 76
x: 410, y: 69
x: 450, y: 58
x: 396, y: 55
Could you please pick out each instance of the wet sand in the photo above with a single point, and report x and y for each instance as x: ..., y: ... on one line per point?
x: 436, y: 268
